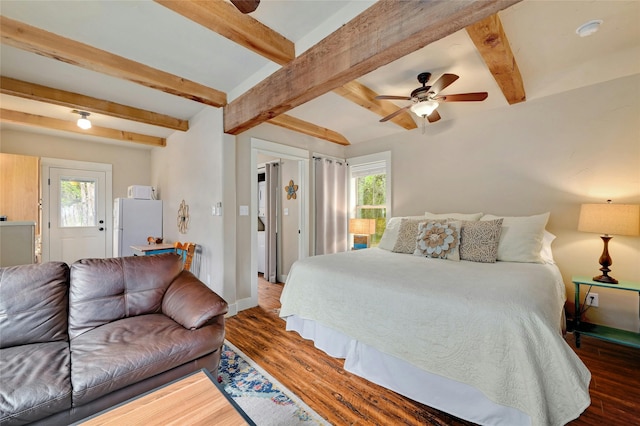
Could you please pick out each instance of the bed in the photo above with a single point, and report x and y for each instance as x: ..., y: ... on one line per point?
x: 481, y: 340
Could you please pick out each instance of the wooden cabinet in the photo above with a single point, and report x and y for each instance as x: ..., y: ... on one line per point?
x: 19, y: 188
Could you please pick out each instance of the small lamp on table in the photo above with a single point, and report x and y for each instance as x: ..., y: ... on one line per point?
x: 362, y: 230
x: 607, y: 219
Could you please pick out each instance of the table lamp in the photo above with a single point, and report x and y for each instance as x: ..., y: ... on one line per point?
x: 606, y: 219
x: 361, y: 230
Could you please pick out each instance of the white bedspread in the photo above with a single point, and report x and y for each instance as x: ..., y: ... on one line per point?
x: 493, y: 326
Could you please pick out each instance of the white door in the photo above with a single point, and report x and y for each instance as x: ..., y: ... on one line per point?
x: 77, y: 225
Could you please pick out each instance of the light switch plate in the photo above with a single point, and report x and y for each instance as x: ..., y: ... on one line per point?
x: 244, y: 210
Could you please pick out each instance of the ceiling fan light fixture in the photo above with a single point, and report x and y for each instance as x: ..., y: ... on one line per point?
x: 424, y: 108
x: 83, y: 122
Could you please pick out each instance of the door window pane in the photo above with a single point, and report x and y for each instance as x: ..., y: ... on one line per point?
x: 77, y: 202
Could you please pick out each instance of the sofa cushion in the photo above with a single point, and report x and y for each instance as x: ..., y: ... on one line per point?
x: 33, y: 304
x: 35, y: 382
x: 105, y: 290
x: 127, y: 351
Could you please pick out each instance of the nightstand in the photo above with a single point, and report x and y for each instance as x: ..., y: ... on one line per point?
x: 623, y: 337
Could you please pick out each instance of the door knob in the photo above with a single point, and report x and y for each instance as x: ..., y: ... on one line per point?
x: 100, y: 229
x: 101, y: 221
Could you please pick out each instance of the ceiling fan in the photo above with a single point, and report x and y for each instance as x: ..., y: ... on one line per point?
x: 246, y: 6
x: 425, y: 99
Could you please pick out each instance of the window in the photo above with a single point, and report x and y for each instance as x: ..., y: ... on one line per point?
x: 369, y: 191
x: 77, y: 202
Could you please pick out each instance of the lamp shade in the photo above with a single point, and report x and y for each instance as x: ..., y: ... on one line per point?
x: 424, y: 108
x: 362, y: 226
x: 610, y: 219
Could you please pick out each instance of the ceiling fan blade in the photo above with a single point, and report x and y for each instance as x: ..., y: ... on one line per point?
x: 399, y: 98
x: 393, y: 114
x: 434, y: 116
x: 443, y: 82
x: 246, y: 6
x: 463, y: 97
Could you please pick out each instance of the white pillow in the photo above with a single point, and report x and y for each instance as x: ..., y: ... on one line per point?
x: 545, y: 253
x: 521, y: 238
x: 471, y: 217
x: 391, y: 232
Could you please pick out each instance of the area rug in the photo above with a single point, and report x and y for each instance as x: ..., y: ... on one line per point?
x: 266, y: 401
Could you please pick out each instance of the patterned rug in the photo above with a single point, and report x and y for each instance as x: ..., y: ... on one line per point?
x: 261, y: 397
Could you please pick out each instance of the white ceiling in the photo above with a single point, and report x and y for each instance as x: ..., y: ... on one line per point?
x: 551, y: 57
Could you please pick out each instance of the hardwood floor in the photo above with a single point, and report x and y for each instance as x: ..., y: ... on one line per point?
x: 344, y: 399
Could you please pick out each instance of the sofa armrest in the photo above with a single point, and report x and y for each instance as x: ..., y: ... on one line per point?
x: 190, y: 303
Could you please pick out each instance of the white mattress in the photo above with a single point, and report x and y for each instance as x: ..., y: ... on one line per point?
x: 495, y: 327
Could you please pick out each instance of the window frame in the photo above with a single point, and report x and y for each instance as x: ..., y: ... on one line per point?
x: 369, y: 160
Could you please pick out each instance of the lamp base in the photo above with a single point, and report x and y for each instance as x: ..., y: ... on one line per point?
x: 605, y: 262
x: 605, y: 279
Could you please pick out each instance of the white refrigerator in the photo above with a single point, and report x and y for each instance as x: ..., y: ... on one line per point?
x: 134, y: 221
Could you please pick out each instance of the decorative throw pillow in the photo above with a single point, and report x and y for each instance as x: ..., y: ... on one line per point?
x: 391, y: 231
x: 438, y: 239
x: 406, y: 241
x: 521, y: 238
x: 479, y: 240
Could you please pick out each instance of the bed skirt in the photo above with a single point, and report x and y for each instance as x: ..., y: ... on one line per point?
x: 450, y: 396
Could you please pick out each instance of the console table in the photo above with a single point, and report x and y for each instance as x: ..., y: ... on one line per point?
x: 623, y: 337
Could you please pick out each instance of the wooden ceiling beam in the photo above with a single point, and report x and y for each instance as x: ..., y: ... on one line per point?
x: 224, y: 19
x: 18, y: 117
x: 50, y: 45
x: 493, y: 45
x: 366, y: 98
x: 244, y: 30
x: 301, y: 126
x: 36, y: 92
x: 386, y: 31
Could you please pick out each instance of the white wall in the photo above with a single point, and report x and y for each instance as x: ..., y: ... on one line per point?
x: 198, y: 166
x: 244, y: 176
x: 131, y: 163
x: 550, y: 154
x: 290, y: 210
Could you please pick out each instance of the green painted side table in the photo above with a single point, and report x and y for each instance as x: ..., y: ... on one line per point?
x: 623, y: 337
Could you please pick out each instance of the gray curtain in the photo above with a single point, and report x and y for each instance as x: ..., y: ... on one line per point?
x: 272, y: 182
x: 331, y: 206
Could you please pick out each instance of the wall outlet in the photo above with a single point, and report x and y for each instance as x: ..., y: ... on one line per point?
x: 592, y: 299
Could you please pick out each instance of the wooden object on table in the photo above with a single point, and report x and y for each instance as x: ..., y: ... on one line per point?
x: 186, y: 251
x: 194, y: 399
x: 623, y: 337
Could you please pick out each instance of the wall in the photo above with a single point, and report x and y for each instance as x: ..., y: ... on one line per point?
x: 244, y: 178
x: 198, y: 166
x: 131, y: 163
x: 549, y: 154
x: 290, y: 210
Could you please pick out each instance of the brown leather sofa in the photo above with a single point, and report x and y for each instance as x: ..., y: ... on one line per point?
x: 75, y: 341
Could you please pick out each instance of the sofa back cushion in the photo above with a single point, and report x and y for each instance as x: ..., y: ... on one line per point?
x: 33, y: 304
x: 106, y: 290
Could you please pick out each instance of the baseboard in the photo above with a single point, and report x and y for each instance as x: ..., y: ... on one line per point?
x: 246, y: 303
x: 232, y: 310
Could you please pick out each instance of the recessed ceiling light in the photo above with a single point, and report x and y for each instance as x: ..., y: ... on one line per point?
x: 589, y: 27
